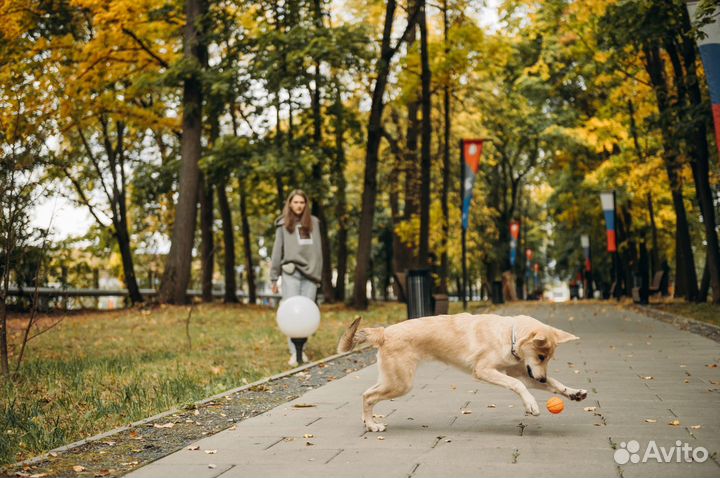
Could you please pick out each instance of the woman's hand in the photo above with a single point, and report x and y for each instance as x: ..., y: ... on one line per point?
x: 275, y: 289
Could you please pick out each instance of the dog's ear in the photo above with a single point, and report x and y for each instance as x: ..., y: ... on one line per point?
x: 540, y: 340
x: 561, y: 336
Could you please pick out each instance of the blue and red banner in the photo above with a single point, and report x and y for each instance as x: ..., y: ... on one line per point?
x: 470, y: 149
x: 709, y: 45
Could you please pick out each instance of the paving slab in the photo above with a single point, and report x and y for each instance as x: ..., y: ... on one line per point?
x: 634, y: 367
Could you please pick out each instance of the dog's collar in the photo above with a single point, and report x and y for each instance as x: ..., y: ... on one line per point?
x: 512, y: 344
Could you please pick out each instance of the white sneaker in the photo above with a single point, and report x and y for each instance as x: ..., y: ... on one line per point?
x: 293, y: 361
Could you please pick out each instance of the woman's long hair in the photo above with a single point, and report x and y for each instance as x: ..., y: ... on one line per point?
x: 291, y: 219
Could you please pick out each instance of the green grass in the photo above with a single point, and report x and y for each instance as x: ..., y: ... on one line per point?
x: 706, y: 312
x: 100, y: 370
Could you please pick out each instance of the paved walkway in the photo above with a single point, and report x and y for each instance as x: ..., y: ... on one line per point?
x: 641, y: 375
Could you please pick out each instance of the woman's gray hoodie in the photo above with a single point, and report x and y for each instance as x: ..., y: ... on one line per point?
x: 304, y: 250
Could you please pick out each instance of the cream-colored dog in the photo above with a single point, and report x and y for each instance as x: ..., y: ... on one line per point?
x: 512, y: 352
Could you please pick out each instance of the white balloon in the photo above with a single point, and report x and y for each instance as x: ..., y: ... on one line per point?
x: 298, y: 317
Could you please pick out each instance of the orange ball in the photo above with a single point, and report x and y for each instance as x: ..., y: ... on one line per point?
x: 555, y: 405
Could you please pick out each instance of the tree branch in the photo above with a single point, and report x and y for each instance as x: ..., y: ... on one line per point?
x: 145, y: 48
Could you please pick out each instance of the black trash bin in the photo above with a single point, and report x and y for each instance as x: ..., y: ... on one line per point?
x: 497, y: 292
x: 419, y: 293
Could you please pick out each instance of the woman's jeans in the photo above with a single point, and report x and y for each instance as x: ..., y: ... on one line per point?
x: 297, y: 284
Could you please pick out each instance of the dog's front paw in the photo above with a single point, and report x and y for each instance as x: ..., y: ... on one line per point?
x: 577, y: 395
x: 372, y: 426
x: 531, y: 408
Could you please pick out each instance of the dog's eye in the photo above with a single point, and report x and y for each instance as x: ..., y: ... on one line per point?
x: 541, y: 358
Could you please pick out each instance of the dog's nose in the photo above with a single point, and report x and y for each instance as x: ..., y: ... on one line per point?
x: 542, y: 379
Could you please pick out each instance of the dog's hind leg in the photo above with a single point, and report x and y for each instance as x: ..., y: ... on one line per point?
x: 394, y: 380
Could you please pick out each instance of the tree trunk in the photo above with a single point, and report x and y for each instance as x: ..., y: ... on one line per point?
x: 177, y: 266
x: 444, y: 262
x: 4, y: 356
x: 207, y: 241
x: 655, y: 257
x: 688, y: 92
x: 247, y: 244
x: 369, y: 193
x: 426, y: 164
x: 700, y: 152
x: 228, y: 244
x: 279, y: 187
x: 340, y: 198
x: 704, y: 282
x: 123, y: 239
x: 318, y: 187
x: 686, y: 276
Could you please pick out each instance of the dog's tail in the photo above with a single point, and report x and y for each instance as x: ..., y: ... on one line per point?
x: 353, y: 336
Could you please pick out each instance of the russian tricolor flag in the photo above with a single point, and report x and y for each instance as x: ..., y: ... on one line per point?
x: 710, y: 52
x: 607, y: 200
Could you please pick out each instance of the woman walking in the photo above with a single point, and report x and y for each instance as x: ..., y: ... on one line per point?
x: 297, y: 253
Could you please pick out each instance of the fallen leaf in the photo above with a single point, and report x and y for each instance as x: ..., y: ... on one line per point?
x: 686, y: 381
x: 210, y: 452
x: 674, y: 423
x: 492, y: 405
x: 304, y: 405
x: 714, y: 382
x: 696, y: 427
x: 590, y: 409
x: 53, y: 454
x: 576, y: 371
x: 193, y: 447
x: 196, y: 412
x: 78, y: 468
x: 466, y: 412
x: 307, y: 443
x: 647, y: 377
x: 130, y: 463
x: 233, y: 428
x: 211, y: 466
x: 166, y: 425
x: 380, y: 437
x: 308, y: 435
x: 711, y: 365
x: 650, y: 420
x: 571, y: 318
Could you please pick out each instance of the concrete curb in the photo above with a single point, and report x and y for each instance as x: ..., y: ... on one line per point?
x: 85, y: 441
x: 683, y: 323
